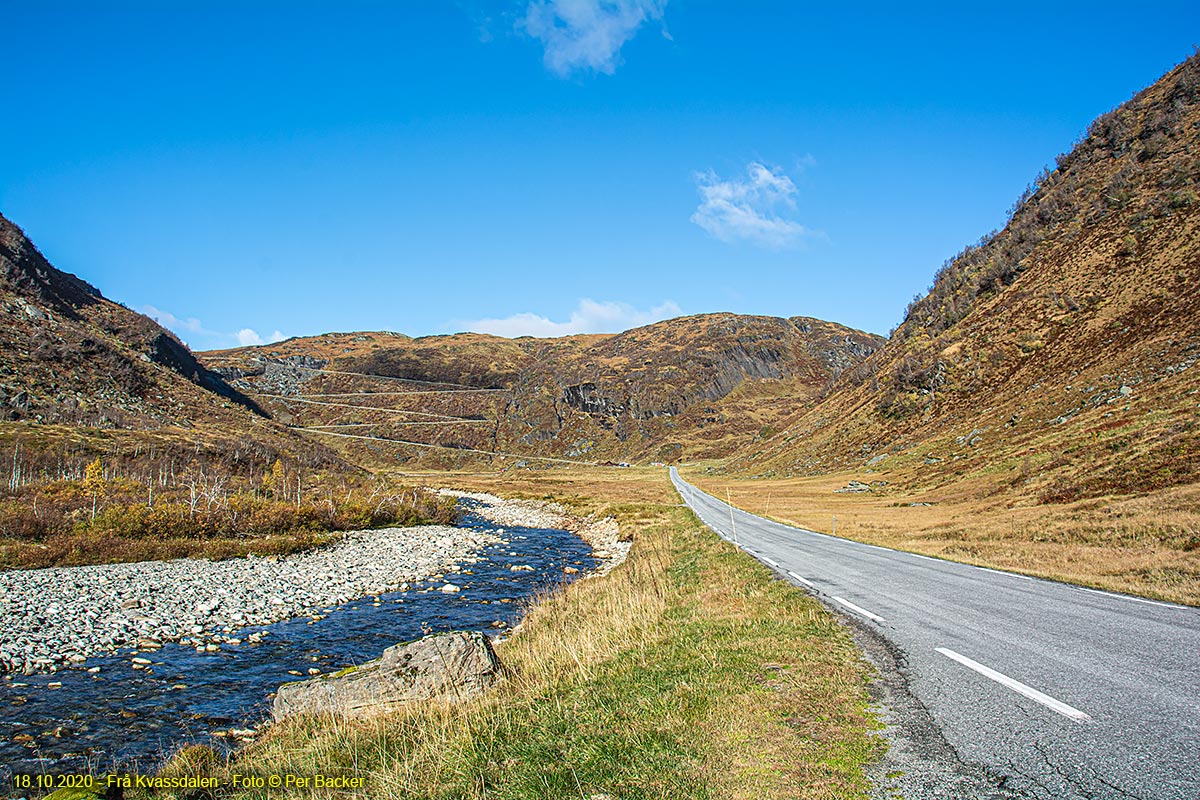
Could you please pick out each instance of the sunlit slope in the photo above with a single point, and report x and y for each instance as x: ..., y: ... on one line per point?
x: 1055, y: 357
x: 690, y: 387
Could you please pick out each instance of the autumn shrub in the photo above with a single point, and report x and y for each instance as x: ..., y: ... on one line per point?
x: 102, y: 516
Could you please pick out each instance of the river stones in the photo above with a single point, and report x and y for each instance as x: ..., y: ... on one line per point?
x: 447, y: 666
x: 49, y: 615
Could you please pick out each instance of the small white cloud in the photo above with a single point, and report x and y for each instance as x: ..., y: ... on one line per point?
x: 247, y: 337
x: 169, y: 320
x: 588, y: 317
x: 209, y: 338
x: 749, y: 209
x: 586, y: 34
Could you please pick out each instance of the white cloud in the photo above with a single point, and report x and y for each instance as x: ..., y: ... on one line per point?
x: 588, y: 317
x: 749, y: 209
x: 169, y: 320
x: 248, y: 336
x: 208, y: 338
x: 586, y: 34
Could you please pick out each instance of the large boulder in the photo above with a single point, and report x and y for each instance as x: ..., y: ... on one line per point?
x: 448, y: 666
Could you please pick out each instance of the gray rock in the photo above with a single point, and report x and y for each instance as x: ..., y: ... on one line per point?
x: 448, y: 666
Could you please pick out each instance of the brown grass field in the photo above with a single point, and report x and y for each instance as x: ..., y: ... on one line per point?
x: 1146, y: 545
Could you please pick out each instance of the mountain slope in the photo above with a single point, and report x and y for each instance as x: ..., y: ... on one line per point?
x: 73, y: 356
x: 82, y: 376
x: 689, y: 387
x: 1055, y: 356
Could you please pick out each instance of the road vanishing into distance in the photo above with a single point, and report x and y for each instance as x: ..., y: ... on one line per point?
x: 1069, y: 692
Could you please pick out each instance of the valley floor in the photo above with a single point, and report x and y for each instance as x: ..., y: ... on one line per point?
x: 1147, y: 544
x: 686, y: 671
x: 689, y: 670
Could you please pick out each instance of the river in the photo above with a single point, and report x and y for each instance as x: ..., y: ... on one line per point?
x: 130, y: 716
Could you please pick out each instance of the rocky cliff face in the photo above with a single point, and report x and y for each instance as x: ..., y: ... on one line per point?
x: 70, y: 355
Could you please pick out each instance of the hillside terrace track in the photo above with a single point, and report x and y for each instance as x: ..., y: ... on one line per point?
x: 294, y: 399
x: 393, y: 422
x: 1066, y: 692
x: 403, y: 380
x: 454, y: 449
x: 402, y: 394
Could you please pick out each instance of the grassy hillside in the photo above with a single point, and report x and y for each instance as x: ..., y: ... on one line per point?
x: 1054, y: 359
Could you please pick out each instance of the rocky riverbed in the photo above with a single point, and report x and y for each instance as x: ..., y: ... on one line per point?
x: 603, y: 535
x: 120, y: 709
x: 51, y: 618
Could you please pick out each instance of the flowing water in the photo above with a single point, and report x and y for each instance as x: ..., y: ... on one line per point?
x: 131, y: 718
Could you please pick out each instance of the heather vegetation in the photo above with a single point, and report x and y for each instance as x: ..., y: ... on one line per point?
x: 75, y: 510
x: 1135, y: 168
x: 1130, y: 162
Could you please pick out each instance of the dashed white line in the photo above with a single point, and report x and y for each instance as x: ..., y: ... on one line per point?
x: 1017, y: 686
x: 802, y: 580
x: 771, y: 561
x: 859, y: 609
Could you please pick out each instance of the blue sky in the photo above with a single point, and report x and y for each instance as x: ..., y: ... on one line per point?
x: 247, y: 171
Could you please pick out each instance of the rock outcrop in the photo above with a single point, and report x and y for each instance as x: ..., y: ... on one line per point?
x: 448, y: 666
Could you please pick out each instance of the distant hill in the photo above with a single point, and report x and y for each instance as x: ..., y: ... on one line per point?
x: 691, y: 387
x: 1057, y: 356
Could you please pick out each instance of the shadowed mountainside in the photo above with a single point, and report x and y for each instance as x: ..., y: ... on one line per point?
x: 73, y: 356
x: 82, y: 376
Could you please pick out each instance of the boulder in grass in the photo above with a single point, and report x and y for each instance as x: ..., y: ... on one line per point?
x: 447, y: 666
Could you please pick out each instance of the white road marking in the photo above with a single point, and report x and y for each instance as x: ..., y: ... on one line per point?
x: 1002, y: 572
x: 859, y: 609
x: 1017, y: 686
x: 802, y: 580
x: 771, y: 561
x: 1131, y: 599
x: 683, y: 486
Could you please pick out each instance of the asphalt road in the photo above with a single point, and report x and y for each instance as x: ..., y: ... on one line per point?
x: 1070, y: 692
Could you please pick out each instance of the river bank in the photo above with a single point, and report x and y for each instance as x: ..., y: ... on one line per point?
x: 602, y: 534
x: 62, y: 616
x: 688, y: 671
x: 128, y: 710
